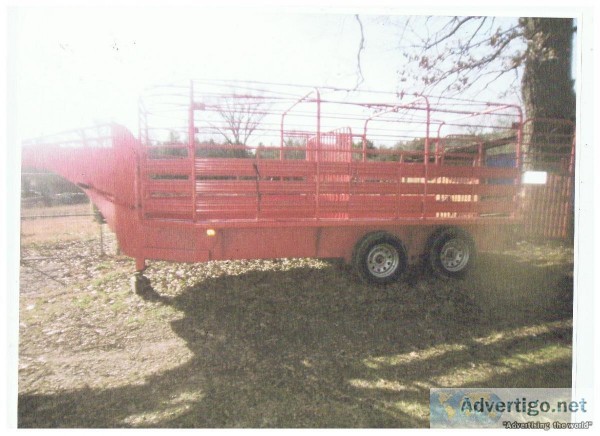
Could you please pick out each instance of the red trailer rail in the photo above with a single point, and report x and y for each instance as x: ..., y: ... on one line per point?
x: 250, y: 170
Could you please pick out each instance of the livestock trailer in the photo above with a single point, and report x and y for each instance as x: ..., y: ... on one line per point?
x: 223, y: 170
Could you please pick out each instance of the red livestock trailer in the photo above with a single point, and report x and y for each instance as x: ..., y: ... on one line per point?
x: 251, y: 171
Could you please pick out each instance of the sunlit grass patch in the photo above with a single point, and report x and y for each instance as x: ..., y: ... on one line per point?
x: 413, y: 356
x: 388, y: 385
x: 514, y: 364
x: 523, y: 332
x: 171, y: 409
x: 417, y: 410
x: 439, y: 351
x: 542, y: 356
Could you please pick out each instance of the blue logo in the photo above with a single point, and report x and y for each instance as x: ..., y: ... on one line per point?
x: 462, y: 409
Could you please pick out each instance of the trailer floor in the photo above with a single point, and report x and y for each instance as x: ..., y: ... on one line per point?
x: 287, y: 343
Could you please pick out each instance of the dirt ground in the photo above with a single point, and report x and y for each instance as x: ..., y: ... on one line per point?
x: 283, y: 343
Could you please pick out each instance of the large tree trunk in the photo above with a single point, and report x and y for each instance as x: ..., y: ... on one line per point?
x: 547, y: 84
x: 547, y: 87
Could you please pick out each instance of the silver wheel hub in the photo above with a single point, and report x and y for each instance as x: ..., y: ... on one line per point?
x: 454, y: 255
x: 383, y: 260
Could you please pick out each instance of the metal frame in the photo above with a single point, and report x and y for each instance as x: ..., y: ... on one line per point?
x: 256, y: 200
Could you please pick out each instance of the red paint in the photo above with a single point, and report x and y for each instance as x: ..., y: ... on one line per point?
x: 273, y: 203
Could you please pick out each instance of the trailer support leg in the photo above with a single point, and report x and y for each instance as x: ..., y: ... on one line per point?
x: 140, y: 284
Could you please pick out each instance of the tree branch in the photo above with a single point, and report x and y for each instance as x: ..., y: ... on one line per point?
x: 444, y: 56
x: 360, y: 78
x: 450, y: 33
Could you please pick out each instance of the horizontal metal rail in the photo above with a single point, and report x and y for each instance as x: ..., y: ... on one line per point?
x: 27, y: 217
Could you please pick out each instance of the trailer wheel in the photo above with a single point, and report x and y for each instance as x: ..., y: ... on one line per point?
x: 380, y: 258
x: 451, y: 253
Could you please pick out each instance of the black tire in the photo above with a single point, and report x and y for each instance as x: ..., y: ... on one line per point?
x: 451, y: 253
x: 380, y: 258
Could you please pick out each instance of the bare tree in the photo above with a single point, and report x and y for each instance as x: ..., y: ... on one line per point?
x: 240, y: 116
x: 453, y: 55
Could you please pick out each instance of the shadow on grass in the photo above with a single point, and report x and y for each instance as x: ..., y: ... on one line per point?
x: 314, y: 348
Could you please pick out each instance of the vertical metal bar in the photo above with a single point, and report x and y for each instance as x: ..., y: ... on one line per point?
x: 519, y: 146
x: 547, y: 207
x: 564, y: 205
x: 427, y: 125
x: 550, y: 216
x: 439, y: 148
x: 140, y: 172
x: 517, y: 181
x: 542, y: 208
x: 572, y: 159
x: 192, y: 149
x: 568, y: 205
x: 281, y: 129
x: 399, y: 187
x: 318, y: 153
x: 547, y: 199
x: 349, y: 160
x: 281, y: 142
x: 558, y: 214
x: 364, y: 145
x: 474, y: 181
x: 569, y: 191
x: 283, y: 115
x: 556, y: 206
x: 258, y: 194
x: 426, y: 157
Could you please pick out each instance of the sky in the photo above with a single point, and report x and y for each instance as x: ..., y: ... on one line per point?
x: 78, y: 66
x: 75, y: 67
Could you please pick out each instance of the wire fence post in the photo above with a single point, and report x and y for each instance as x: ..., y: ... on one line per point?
x: 101, y: 241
